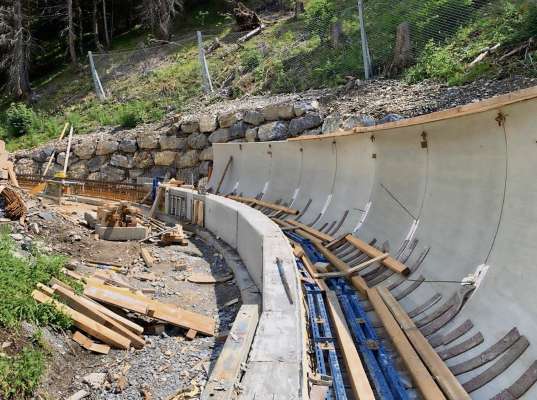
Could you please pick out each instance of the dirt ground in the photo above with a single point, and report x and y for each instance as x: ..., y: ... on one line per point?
x: 169, y: 363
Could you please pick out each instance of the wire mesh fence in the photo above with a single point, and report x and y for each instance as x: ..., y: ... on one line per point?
x: 322, y: 47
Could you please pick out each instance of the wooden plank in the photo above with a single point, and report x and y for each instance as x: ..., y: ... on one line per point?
x: 86, y: 307
x: 228, y: 164
x: 86, y: 324
x: 143, y: 305
x: 191, y: 334
x: 419, y: 373
x: 312, y: 231
x: 228, y: 367
x: 148, y: 258
x: 357, y: 281
x: 251, y: 201
x: 89, y: 344
x: 356, y: 373
x: 444, y: 377
x: 158, y: 197
x: 389, y: 262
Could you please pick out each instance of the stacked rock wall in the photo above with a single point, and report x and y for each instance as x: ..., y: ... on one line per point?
x: 181, y: 149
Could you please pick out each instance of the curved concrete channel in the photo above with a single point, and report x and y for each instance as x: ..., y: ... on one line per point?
x: 453, y: 193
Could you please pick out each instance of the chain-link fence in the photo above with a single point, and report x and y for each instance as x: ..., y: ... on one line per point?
x: 322, y: 47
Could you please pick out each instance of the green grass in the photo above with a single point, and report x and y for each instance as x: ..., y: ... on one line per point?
x: 505, y: 22
x: 20, y: 373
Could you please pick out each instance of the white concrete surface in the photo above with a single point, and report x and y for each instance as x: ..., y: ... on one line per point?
x: 471, y: 189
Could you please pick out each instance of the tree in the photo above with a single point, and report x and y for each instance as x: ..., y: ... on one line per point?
x: 158, y: 14
x: 71, y: 32
x: 15, y: 40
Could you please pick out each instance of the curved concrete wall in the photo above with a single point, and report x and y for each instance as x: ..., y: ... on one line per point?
x: 276, y: 354
x: 461, y: 184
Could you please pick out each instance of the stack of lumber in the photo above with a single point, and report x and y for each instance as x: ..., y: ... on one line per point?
x: 90, y: 313
x: 123, y: 215
x: 175, y: 236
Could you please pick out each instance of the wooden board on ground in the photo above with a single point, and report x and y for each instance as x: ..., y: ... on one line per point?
x: 443, y: 376
x: 208, y: 279
x: 148, y: 258
x: 357, y: 376
x: 143, y: 305
x: 89, y: 344
x: 388, y: 262
x: 419, y: 373
x: 191, y: 334
x: 86, y: 307
x: 86, y: 324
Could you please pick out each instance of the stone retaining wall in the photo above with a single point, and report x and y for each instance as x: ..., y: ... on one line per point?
x: 182, y: 149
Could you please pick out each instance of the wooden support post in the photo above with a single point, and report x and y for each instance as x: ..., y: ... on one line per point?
x: 54, y: 152
x: 389, y: 262
x: 68, y: 151
x: 420, y: 375
x: 255, y: 202
x: 442, y: 374
x: 228, y: 164
x: 312, y: 231
x: 357, y: 376
x: 158, y: 197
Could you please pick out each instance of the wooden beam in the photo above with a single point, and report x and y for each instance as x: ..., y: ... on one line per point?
x: 353, y: 270
x: 357, y: 376
x: 148, y: 258
x: 261, y: 203
x: 443, y: 376
x: 86, y: 324
x: 89, y: 344
x: 312, y: 231
x: 143, y: 305
x: 389, y: 262
x: 357, y: 281
x: 419, y: 373
x: 86, y: 307
x: 228, y: 164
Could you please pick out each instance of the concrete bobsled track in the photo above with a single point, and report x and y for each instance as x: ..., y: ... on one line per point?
x: 452, y: 194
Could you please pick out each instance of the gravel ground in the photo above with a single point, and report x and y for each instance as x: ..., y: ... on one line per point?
x: 169, y: 363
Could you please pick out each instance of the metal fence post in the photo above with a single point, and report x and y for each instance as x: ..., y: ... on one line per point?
x: 365, y: 46
x: 96, y: 81
x: 206, y: 77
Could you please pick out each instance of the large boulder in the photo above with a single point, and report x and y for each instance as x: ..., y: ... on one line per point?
x: 60, y: 159
x: 190, y: 125
x: 206, y: 154
x: 208, y: 123
x: 135, y: 173
x: 391, y: 118
x: 85, y: 149
x: 303, y: 107
x: 128, y: 146
x: 301, y: 124
x: 165, y: 158
x: 197, y: 141
x: 274, y: 112
x: 143, y: 160
x: 78, y: 170
x: 272, y: 131
x: 43, y: 155
x: 253, y: 117
x: 147, y: 140
x: 204, y: 168
x: 122, y: 161
x: 26, y: 166
x: 188, y: 159
x: 238, y: 130
x: 332, y: 123
x: 112, y: 174
x: 358, y: 120
x: 225, y: 120
x: 96, y: 163
x: 172, y: 142
x: 220, y: 136
x: 106, y: 146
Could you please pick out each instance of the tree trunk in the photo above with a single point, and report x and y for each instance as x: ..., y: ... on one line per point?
x: 111, y: 20
x: 402, y: 57
x: 19, y: 76
x: 336, y: 33
x: 98, y: 44
x: 71, y: 35
x: 105, y: 25
x: 80, y: 29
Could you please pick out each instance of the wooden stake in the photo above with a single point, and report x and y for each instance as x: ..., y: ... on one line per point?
x: 68, y: 151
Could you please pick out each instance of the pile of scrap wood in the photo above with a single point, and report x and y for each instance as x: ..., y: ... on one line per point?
x: 12, y: 204
x: 123, y: 215
x: 90, y: 313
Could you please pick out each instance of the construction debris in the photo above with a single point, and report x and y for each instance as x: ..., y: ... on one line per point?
x: 209, y: 279
x: 123, y: 215
x: 12, y: 204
